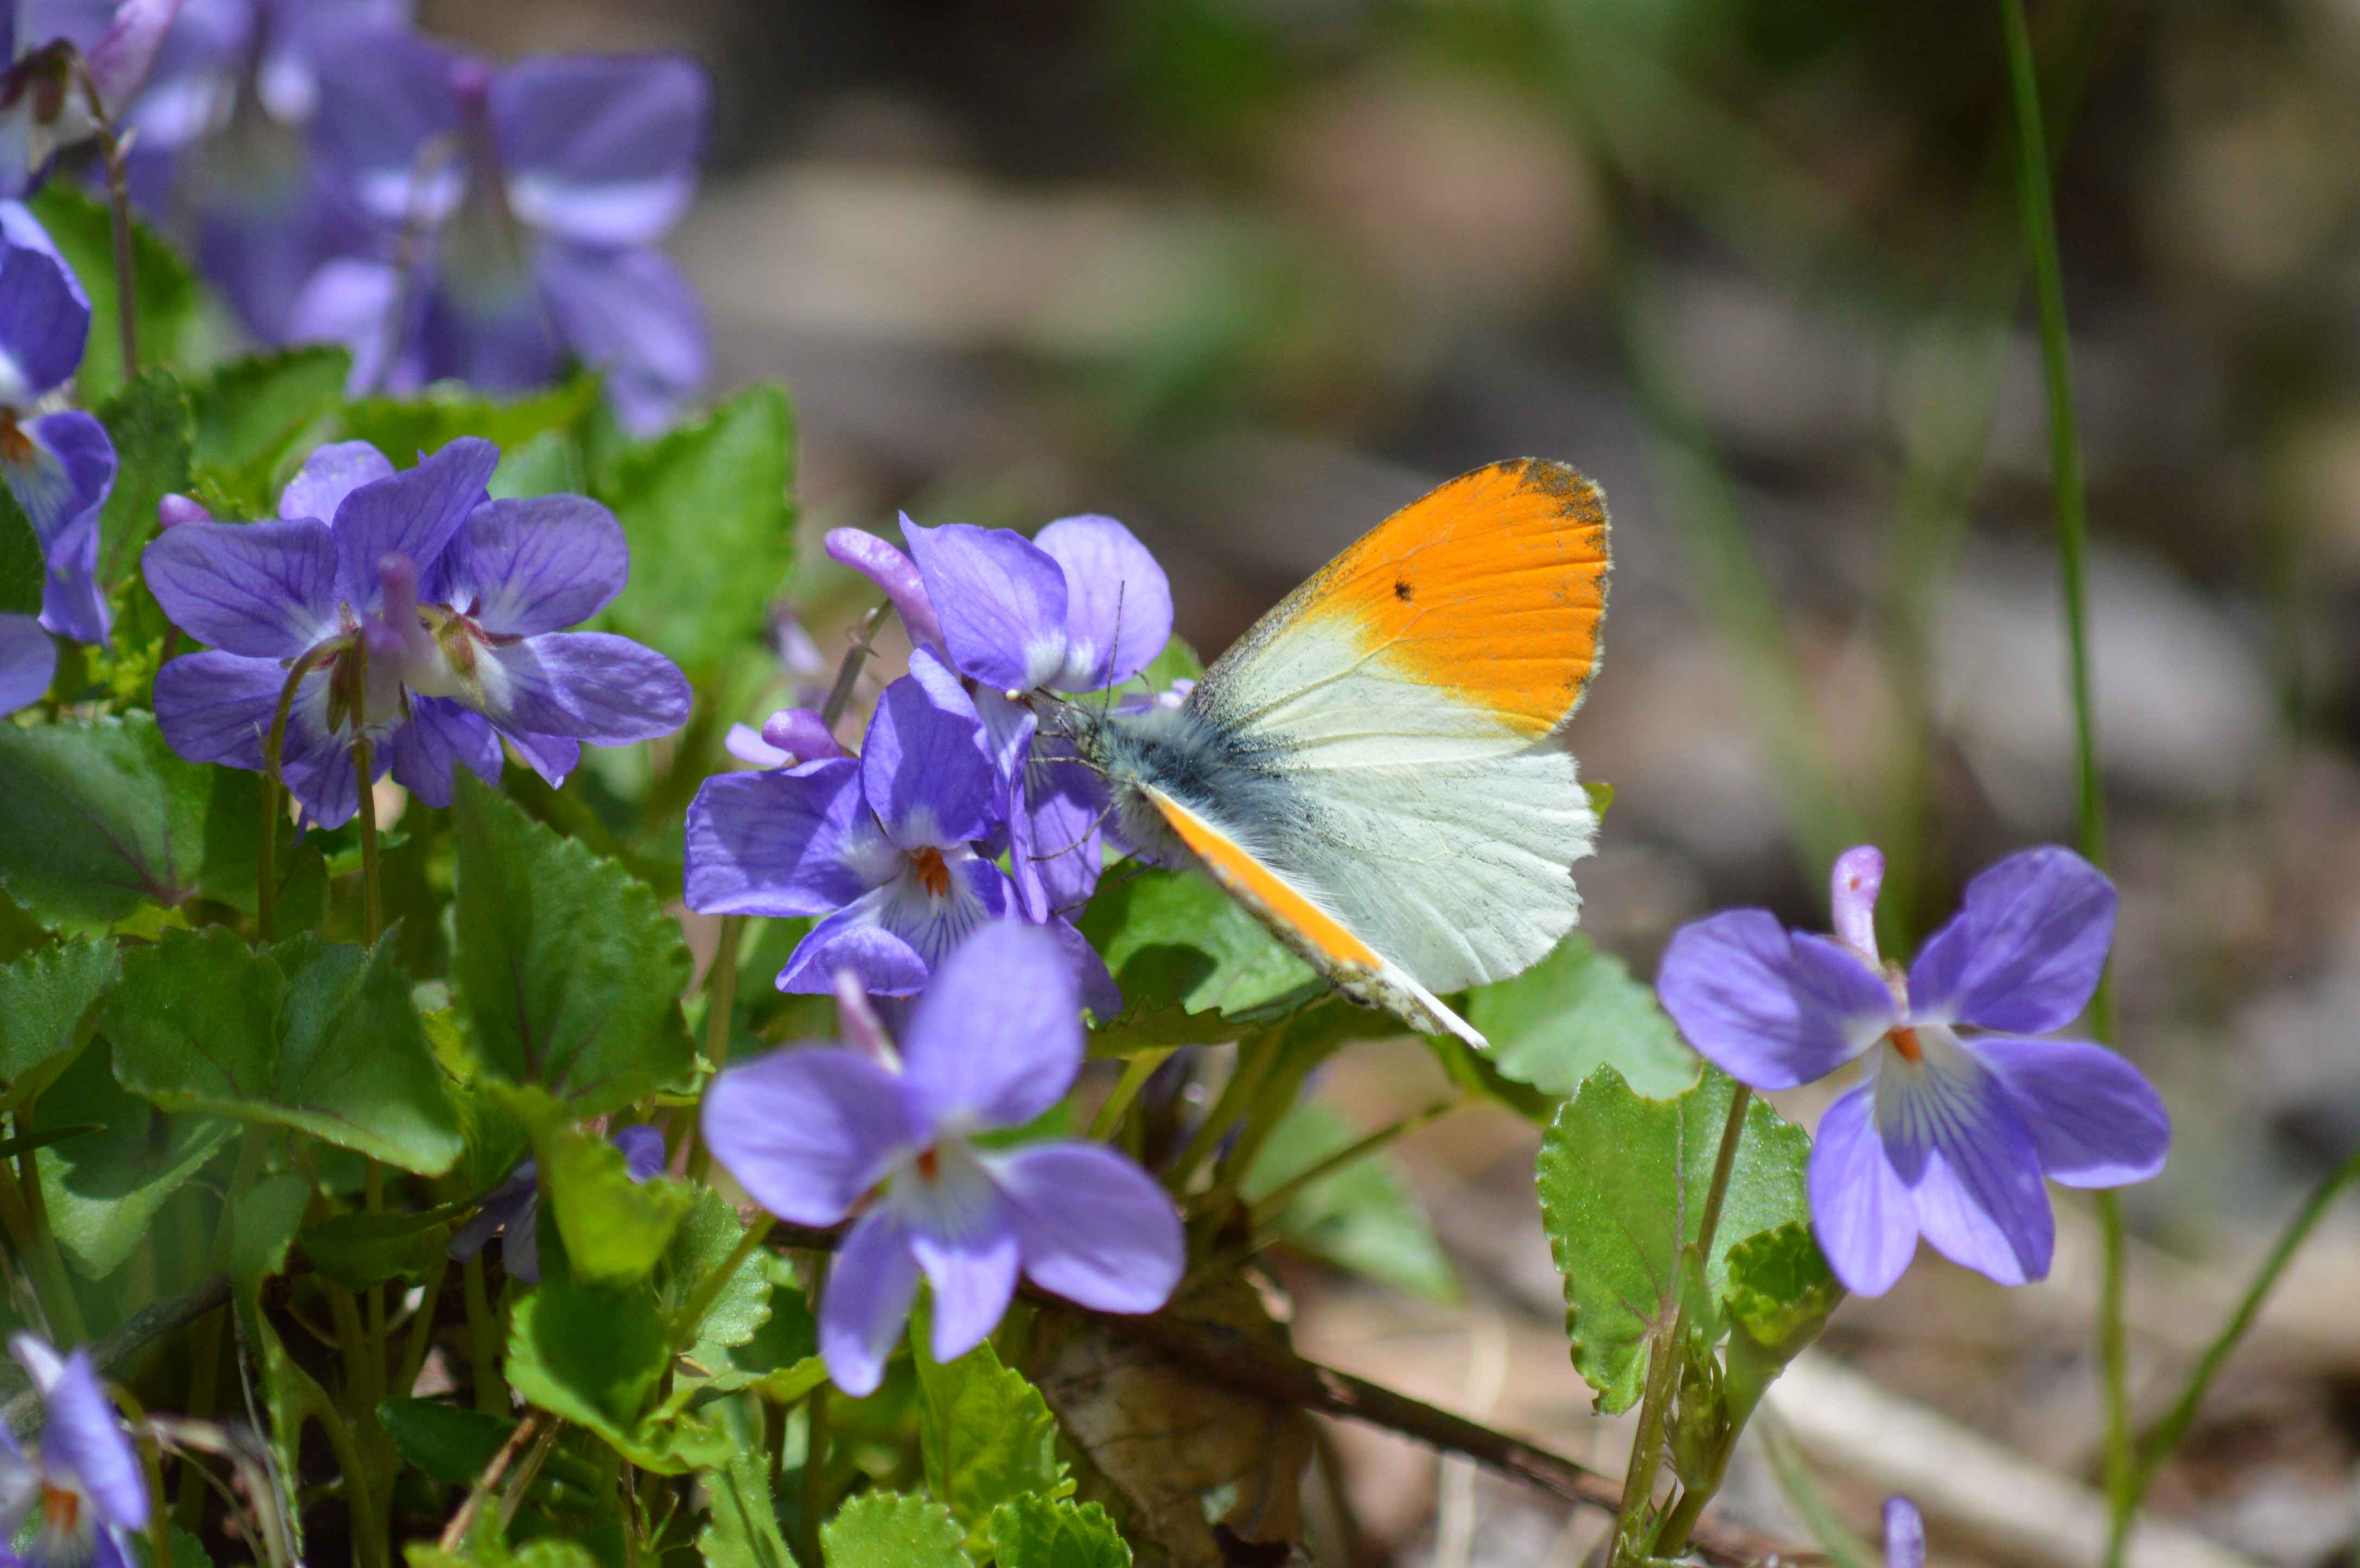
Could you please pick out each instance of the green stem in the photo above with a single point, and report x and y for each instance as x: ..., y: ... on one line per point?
x: 1251, y: 1064
x: 1716, y: 1194
x: 2037, y: 215
x: 126, y: 286
x: 691, y: 1316
x: 848, y: 674
x: 372, y: 881
x: 421, y: 1331
x: 25, y: 1212
x: 2156, y: 1444
x: 370, y: 1543
x: 1270, y: 1204
x: 484, y: 1343
x: 814, y: 1487
x: 1135, y: 1074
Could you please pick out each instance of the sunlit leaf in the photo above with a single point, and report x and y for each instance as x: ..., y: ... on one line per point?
x: 891, y: 1529
x: 985, y: 1434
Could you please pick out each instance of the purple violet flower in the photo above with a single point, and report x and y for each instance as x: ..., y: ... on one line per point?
x: 223, y: 148
x: 59, y: 466
x: 434, y: 616
x: 1079, y: 607
x: 1904, y: 1534
x: 543, y: 188
x: 512, y: 1210
x: 882, y: 846
x: 1950, y: 1136
x: 82, y: 1484
x: 52, y: 66
x: 788, y: 738
x: 818, y: 1133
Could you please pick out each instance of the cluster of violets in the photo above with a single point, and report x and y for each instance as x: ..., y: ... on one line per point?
x: 1963, y: 1108
x: 341, y: 178
x: 406, y: 620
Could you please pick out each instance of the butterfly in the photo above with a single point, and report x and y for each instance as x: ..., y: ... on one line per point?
x: 1378, y: 769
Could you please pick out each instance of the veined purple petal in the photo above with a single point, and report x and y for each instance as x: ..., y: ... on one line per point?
x: 922, y: 763
x: 808, y: 1130
x: 415, y: 512
x: 891, y: 571
x: 643, y: 1150
x: 2025, y: 949
x: 589, y: 686
x: 1094, y: 1228
x: 1904, y: 1534
x: 1859, y: 874
x: 328, y: 476
x: 62, y: 488
x: 1771, y: 1008
x: 217, y: 707
x: 1056, y: 838
x: 82, y: 1436
x: 1001, y: 601
x: 262, y: 589
x: 1952, y: 1135
x: 28, y: 661
x: 996, y: 1038
x: 893, y: 936
x: 1118, y: 602
x: 774, y: 843
x: 601, y: 149
x: 441, y: 736
x: 867, y: 1301
x: 44, y: 316
x: 520, y: 567
x: 553, y: 757
x: 633, y: 315
x: 959, y: 1231
x: 2095, y: 1119
x: 1861, y: 1213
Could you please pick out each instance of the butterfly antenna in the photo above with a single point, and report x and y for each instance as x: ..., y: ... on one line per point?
x: 1106, y: 698
x: 1096, y: 823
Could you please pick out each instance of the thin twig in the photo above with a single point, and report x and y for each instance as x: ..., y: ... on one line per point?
x: 454, y: 1534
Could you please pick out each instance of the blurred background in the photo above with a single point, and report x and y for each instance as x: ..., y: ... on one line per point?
x: 1249, y: 274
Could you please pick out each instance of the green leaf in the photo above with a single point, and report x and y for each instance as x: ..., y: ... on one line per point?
x: 23, y: 568
x: 986, y: 1435
x: 164, y: 291
x: 710, y: 1233
x: 264, y: 1221
x: 730, y: 472
x: 46, y: 997
x: 404, y: 428
x: 104, y: 1189
x: 1575, y: 1011
x: 892, y: 1529
x: 320, y: 1038
x: 101, y: 816
x: 779, y: 1357
x: 1036, y: 1532
x: 188, y: 1551
x: 1363, y: 1217
x: 488, y: 1551
x: 615, y: 1229
x: 1781, y: 1290
x: 250, y: 413
x: 452, y: 1443
x: 547, y: 465
x: 149, y: 421
x: 1175, y: 940
x: 1622, y: 1181
x: 357, y: 1250
x: 568, y: 970
x: 588, y: 1353
x: 743, y: 1529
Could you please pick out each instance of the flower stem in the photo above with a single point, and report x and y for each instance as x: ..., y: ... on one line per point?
x: 484, y: 1343
x: 119, y: 206
x: 29, y: 1233
x: 372, y: 887
x: 815, y: 1477
x: 1135, y: 1074
x: 848, y: 674
x: 2157, y: 1444
x: 422, y: 1331
x: 1269, y: 1206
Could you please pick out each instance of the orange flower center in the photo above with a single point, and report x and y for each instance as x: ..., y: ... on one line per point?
x: 60, y: 1509
x: 928, y: 862
x: 1905, y: 1040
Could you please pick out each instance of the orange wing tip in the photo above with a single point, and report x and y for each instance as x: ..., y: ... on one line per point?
x: 1262, y: 890
x: 1492, y: 587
